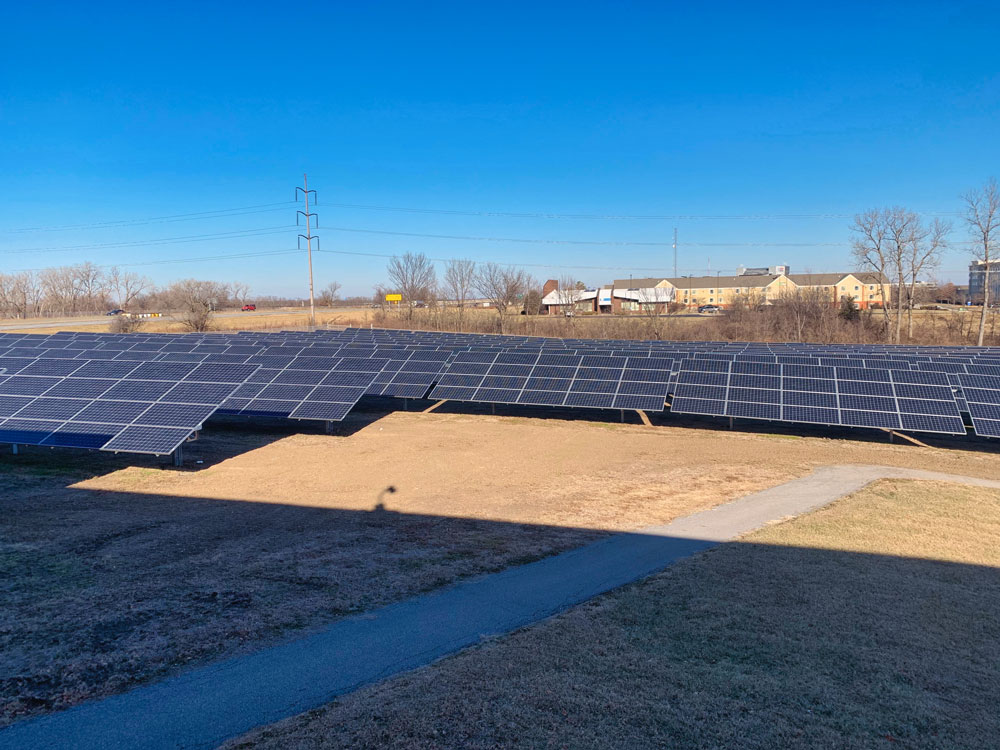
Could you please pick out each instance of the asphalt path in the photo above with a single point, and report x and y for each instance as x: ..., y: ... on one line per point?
x: 207, y: 705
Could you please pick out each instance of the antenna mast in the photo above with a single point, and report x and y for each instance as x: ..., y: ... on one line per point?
x: 675, y: 252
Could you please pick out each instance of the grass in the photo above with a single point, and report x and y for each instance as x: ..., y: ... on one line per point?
x: 872, y: 623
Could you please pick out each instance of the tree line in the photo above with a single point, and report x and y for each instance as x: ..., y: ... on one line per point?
x: 902, y: 247
x: 414, y: 278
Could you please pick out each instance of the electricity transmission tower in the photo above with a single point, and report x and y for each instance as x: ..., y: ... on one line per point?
x: 308, y: 237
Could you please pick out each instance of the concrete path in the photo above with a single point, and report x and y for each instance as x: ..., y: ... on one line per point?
x: 203, y: 707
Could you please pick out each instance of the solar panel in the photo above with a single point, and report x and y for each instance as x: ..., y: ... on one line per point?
x: 982, y: 394
x: 849, y: 396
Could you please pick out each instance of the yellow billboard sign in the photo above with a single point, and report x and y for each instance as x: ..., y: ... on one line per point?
x: 394, y: 298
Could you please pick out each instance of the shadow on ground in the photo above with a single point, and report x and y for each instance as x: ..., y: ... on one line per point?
x: 764, y: 646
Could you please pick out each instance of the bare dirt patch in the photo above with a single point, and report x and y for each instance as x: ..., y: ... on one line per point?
x: 872, y: 623
x: 117, y: 570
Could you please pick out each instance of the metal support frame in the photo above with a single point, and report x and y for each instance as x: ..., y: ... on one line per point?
x: 894, y: 434
x: 432, y: 407
x: 644, y: 417
x: 13, y: 448
x: 178, y: 456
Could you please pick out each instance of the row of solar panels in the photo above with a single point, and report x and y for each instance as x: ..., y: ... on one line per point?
x: 388, y: 336
x: 322, y: 375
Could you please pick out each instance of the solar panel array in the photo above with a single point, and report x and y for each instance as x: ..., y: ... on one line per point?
x: 149, y: 392
x: 541, y: 379
x: 816, y: 394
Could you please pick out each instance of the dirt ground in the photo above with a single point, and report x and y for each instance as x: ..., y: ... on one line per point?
x: 870, y: 623
x: 117, y: 570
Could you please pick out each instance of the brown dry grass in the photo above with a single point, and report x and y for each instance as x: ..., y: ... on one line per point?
x: 116, y: 570
x: 263, y: 321
x: 872, y: 623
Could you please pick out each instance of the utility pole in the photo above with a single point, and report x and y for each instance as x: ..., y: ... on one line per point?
x: 675, y: 252
x: 308, y: 237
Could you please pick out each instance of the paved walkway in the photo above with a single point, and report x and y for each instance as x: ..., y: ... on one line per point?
x: 203, y: 707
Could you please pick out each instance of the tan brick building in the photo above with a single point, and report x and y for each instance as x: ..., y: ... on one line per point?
x: 865, y: 289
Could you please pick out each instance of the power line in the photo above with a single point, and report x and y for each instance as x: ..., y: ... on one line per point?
x: 236, y: 234
x: 216, y: 214
x: 615, y: 243
x: 653, y: 217
x: 506, y: 264
x: 169, y: 261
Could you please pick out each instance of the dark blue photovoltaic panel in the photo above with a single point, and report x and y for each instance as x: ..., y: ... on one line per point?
x: 874, y: 385
x: 175, y: 415
x: 82, y: 435
x: 56, y: 367
x: 286, y: 392
x: 81, y: 387
x: 172, y: 371
x: 323, y: 410
x: 26, y: 431
x: 10, y: 405
x: 114, y: 412
x: 158, y: 441
x: 138, y: 390
x: 199, y: 393
x: 263, y: 407
x: 53, y: 408
x: 27, y: 385
x: 982, y: 393
x: 698, y: 406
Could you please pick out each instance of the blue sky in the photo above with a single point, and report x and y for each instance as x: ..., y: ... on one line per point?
x: 124, y: 112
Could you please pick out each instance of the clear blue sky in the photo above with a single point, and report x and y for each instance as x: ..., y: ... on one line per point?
x: 128, y: 111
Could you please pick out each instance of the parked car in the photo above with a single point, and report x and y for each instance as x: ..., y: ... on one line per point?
x: 709, y: 309
x: 114, y: 312
x: 248, y: 308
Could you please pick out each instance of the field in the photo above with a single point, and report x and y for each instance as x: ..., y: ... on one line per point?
x: 285, y: 318
x: 871, y: 623
x: 954, y: 325
x: 117, y: 571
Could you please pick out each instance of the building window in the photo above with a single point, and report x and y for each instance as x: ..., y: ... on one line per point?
x: 711, y: 291
x: 630, y: 305
x: 856, y: 288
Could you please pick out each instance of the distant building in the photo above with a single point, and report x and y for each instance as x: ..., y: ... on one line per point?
x: 756, y: 286
x: 864, y: 289
x: 977, y: 279
x: 634, y: 299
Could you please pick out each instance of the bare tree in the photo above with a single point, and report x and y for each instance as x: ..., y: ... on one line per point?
x: 459, y: 277
x: 413, y: 275
x: 872, y: 249
x: 567, y: 294
x: 126, y: 286
x: 196, y: 301
x: 502, y: 286
x: 897, y: 246
x: 923, y: 256
x: 91, y: 285
x: 982, y: 216
x: 240, y: 291
x: 329, y: 294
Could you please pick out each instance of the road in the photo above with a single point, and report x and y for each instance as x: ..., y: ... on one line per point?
x: 104, y: 320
